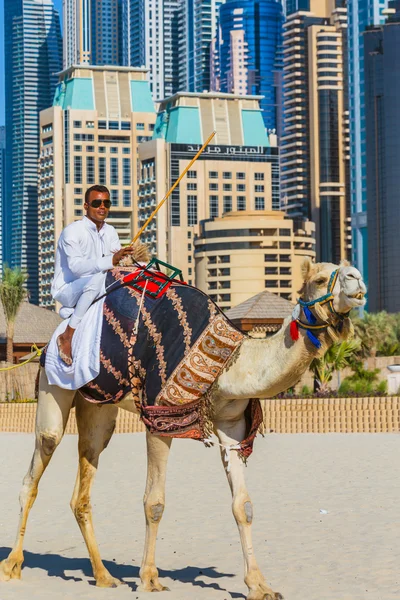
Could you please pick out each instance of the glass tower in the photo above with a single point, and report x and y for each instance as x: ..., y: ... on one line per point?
x: 361, y: 14
x: 33, y: 53
x: 249, y: 51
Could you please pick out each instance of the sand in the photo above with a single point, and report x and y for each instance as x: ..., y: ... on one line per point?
x: 349, y: 551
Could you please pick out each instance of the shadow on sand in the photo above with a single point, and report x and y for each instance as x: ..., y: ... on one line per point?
x: 57, y: 566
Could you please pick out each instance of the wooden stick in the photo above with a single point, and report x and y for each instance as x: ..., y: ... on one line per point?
x: 139, y: 233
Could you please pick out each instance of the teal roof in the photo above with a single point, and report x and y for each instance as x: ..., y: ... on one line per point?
x: 181, y: 125
x: 254, y: 129
x: 141, y: 97
x: 75, y: 93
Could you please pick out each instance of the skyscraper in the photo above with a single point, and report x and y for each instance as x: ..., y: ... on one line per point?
x: 2, y: 188
x: 77, y: 32
x: 93, y: 32
x: 249, y: 45
x: 33, y: 55
x: 197, y: 29
x: 361, y: 14
x: 382, y: 101
x: 151, y: 34
x: 314, y: 147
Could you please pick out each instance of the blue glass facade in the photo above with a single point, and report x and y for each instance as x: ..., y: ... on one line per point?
x: 261, y: 22
x: 33, y: 53
x: 361, y: 14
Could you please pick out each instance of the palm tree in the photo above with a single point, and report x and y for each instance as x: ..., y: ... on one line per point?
x: 376, y: 332
x: 12, y: 293
x: 335, y: 359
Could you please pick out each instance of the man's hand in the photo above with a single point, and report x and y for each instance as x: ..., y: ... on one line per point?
x: 121, y: 254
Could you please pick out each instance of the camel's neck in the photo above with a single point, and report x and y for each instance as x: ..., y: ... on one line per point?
x: 264, y: 368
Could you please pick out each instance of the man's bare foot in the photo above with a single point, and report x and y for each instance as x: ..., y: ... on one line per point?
x: 64, y: 345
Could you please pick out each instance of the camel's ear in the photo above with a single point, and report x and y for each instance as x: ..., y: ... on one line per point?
x: 306, y: 267
x: 344, y: 263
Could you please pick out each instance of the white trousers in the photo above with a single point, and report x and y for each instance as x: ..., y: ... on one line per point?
x: 79, y: 294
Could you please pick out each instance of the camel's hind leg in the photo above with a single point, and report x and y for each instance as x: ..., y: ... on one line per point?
x: 230, y: 433
x: 154, y: 500
x: 95, y: 426
x: 54, y: 405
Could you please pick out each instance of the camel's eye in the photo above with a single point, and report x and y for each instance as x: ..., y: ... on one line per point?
x: 321, y: 281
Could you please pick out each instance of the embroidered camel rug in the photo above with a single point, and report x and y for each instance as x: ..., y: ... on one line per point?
x: 167, y: 352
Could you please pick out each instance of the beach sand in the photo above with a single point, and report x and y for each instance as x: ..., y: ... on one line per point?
x: 350, y: 551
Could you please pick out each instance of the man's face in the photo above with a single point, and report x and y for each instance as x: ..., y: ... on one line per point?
x: 100, y: 213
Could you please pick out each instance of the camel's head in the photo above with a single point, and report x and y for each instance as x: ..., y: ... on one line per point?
x: 343, y: 283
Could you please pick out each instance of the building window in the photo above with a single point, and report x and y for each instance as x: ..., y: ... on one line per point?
x: 190, y: 247
x: 114, y: 197
x: 77, y: 190
x: 102, y: 150
x: 192, y: 186
x: 90, y: 124
x: 271, y: 270
x: 89, y: 148
x: 227, y: 187
x: 270, y: 258
x: 114, y: 171
x: 102, y: 124
x: 139, y: 126
x: 113, y: 125
x: 77, y: 169
x: 192, y: 174
x: 271, y: 283
x: 240, y: 187
x: 241, y: 202
x: 126, y: 195
x: 259, y: 188
x: 189, y: 235
x: 78, y: 201
x: 259, y: 203
x: 225, y: 298
x: 191, y: 210
x: 77, y: 148
x: 225, y: 272
x: 102, y: 170
x: 227, y: 175
x: 126, y: 150
x: 285, y: 245
x: 224, y: 285
x: 213, y: 206
x: 125, y: 125
x: 213, y: 174
x: 90, y: 170
x: 78, y: 124
x: 114, y: 150
x: 227, y: 203
x: 213, y: 186
x: 259, y: 176
x: 151, y: 126
x: 225, y: 258
x: 284, y: 232
x: 126, y: 171
x: 240, y: 175
x: 190, y: 270
x: 78, y: 213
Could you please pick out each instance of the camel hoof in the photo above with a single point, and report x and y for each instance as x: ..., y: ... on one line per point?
x: 152, y: 587
x: 10, y: 569
x: 108, y: 582
x: 276, y: 596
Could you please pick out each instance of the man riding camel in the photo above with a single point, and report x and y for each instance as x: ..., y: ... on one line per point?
x: 86, y: 250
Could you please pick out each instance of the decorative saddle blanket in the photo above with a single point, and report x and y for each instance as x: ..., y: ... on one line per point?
x: 167, y: 352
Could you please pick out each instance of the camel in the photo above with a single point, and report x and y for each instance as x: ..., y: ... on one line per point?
x: 260, y: 369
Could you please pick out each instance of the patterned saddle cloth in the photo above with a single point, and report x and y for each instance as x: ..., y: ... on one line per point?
x: 170, y: 349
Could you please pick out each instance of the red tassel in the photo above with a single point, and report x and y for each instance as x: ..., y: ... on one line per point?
x: 294, y: 331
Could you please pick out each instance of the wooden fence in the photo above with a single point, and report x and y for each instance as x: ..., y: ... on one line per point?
x: 308, y: 415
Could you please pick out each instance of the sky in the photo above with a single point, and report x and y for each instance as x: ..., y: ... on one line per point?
x: 58, y: 6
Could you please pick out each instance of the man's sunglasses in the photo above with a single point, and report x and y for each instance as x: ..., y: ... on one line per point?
x: 98, y: 202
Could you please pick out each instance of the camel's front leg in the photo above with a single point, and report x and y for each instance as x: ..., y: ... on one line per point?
x: 95, y: 426
x: 230, y: 433
x: 54, y: 405
x: 154, y: 500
